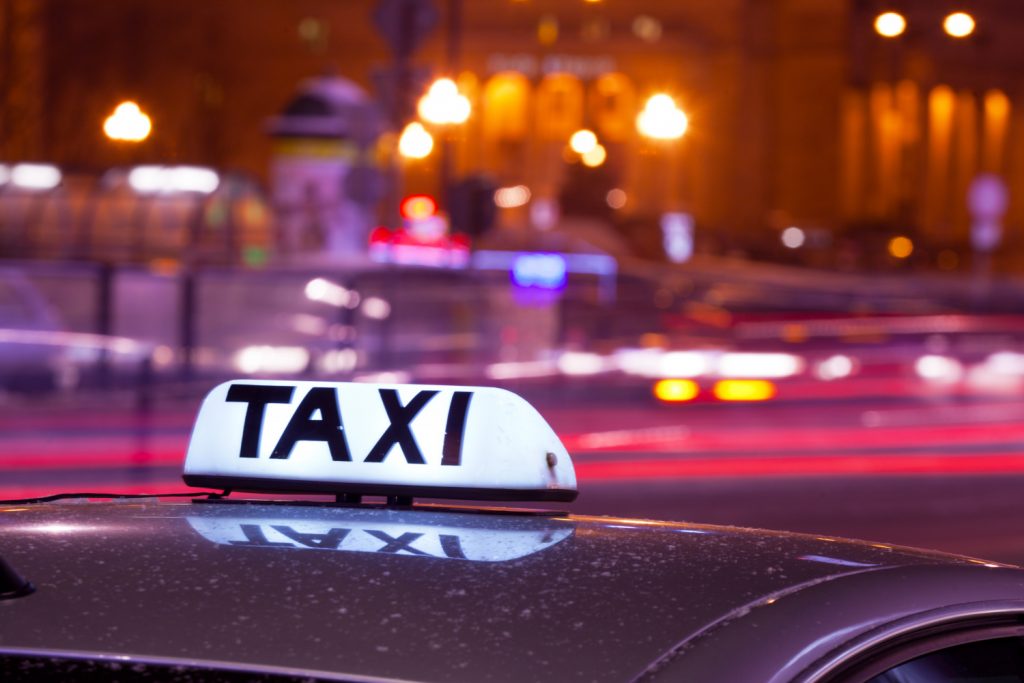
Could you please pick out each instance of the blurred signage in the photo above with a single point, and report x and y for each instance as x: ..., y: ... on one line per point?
x: 426, y: 244
x: 677, y: 235
x: 544, y: 213
x: 530, y: 65
x: 544, y: 271
x: 987, y: 200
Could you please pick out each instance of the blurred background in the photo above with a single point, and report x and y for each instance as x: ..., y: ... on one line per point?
x: 758, y: 261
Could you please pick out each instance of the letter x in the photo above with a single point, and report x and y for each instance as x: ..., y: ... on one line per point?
x: 398, y: 431
x: 396, y: 545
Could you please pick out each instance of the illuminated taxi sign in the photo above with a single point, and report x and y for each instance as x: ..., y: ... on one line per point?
x: 409, y: 440
x: 427, y: 539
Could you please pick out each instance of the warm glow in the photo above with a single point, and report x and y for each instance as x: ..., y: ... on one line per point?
x: 511, y: 197
x: 662, y: 119
x: 418, y: 206
x: 127, y: 123
x: 616, y: 198
x: 170, y: 179
x: 547, y: 30
x: 323, y: 290
x: 890, y: 24
x: 271, y: 360
x: 595, y: 157
x: 443, y: 103
x: 415, y: 142
x: 959, y: 24
x: 676, y: 390
x: 582, y: 141
x: 793, y: 237
x: 744, y: 390
x: 900, y: 247
x: 34, y: 176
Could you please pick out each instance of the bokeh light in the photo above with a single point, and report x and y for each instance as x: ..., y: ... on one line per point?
x: 595, y: 157
x: 582, y: 141
x: 676, y: 390
x: 415, y: 142
x: 662, y: 119
x: 793, y: 237
x: 890, y: 24
x: 128, y: 123
x: 900, y: 247
x: 959, y: 24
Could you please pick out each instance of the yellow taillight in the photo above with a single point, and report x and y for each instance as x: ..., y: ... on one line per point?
x: 744, y: 390
x: 676, y: 390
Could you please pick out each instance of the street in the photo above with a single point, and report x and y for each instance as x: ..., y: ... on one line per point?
x: 904, y: 470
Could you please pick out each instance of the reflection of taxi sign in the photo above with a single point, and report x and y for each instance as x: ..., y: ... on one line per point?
x: 395, y: 440
x: 351, y: 533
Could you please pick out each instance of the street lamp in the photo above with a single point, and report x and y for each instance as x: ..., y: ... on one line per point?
x: 958, y: 25
x: 594, y: 156
x: 415, y: 142
x: 445, y: 106
x: 890, y: 24
x: 127, y: 123
x: 443, y: 103
x: 661, y: 119
x: 583, y: 141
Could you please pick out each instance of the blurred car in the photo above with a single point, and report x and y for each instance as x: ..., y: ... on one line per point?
x: 33, y: 356
x: 333, y: 587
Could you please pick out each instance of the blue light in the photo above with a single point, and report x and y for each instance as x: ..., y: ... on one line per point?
x: 543, y: 271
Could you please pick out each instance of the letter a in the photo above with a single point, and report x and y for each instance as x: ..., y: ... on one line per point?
x: 302, y: 426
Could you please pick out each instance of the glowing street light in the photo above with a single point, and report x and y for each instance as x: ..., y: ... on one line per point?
x: 443, y: 103
x: 415, y: 142
x: 959, y: 24
x: 128, y: 123
x: 890, y: 24
x: 583, y: 141
x: 594, y: 156
x: 662, y: 119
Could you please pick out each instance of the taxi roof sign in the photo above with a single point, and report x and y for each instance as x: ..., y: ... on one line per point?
x: 471, y: 443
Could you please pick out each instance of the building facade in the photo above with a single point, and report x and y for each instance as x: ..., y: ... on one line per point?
x: 800, y: 113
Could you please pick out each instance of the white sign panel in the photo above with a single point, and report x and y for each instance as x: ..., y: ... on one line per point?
x: 409, y: 440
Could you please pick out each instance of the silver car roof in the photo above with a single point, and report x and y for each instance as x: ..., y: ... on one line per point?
x: 428, y: 593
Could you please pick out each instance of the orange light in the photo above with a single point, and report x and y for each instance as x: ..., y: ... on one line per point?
x: 676, y: 390
x: 418, y: 206
x: 128, y: 123
x: 959, y: 24
x: 890, y: 24
x: 900, y: 247
x: 744, y: 390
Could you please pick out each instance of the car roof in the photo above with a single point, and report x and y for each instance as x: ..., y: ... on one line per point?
x: 421, y: 593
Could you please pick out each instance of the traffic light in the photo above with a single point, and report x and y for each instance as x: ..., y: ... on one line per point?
x: 471, y: 207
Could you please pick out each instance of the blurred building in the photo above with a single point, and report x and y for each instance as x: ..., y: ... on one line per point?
x: 800, y: 112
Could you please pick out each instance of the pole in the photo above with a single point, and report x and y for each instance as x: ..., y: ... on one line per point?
x: 453, y: 53
x: 104, y: 317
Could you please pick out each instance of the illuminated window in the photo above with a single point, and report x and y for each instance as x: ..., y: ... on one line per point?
x: 505, y: 107
x: 647, y: 28
x: 547, y: 29
x: 611, y: 104
x: 559, y: 107
x: 595, y: 29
